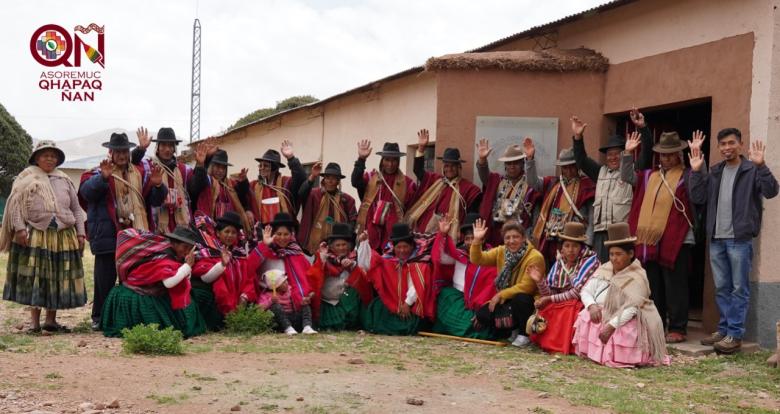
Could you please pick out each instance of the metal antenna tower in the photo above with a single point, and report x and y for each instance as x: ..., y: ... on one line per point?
x: 195, y: 98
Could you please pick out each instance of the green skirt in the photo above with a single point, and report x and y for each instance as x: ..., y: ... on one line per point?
x: 344, y: 316
x: 379, y: 320
x: 452, y: 317
x: 48, y: 273
x: 124, y: 309
x: 203, y: 297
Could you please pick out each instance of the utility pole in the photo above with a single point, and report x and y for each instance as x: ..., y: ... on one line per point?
x: 195, y: 98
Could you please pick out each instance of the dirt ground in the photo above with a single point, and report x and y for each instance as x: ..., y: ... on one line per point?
x: 79, y: 372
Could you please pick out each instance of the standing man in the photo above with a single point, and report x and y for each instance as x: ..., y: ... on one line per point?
x: 323, y: 206
x: 505, y: 197
x: 272, y: 193
x: 175, y: 210
x: 385, y: 194
x: 116, y: 195
x: 440, y: 195
x: 613, y: 197
x: 733, y: 191
x: 663, y: 219
x: 567, y: 197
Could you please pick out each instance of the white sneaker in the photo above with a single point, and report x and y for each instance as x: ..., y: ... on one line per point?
x: 308, y: 330
x: 515, y: 333
x: 290, y: 331
x: 521, y: 341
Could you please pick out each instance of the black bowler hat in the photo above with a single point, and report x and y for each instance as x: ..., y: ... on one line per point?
x: 401, y: 232
x: 220, y: 157
x: 273, y: 157
x: 342, y: 231
x: 615, y: 141
x: 282, y: 220
x: 332, y: 169
x: 118, y: 141
x: 166, y: 134
x: 391, y: 150
x: 451, y: 155
x: 183, y: 234
x: 230, y: 218
x: 468, y: 222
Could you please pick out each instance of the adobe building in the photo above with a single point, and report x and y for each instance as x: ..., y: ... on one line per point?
x: 696, y: 64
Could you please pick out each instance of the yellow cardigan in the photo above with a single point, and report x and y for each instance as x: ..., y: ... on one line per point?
x: 521, y: 282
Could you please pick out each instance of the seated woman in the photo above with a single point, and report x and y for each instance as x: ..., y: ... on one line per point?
x: 155, y: 288
x: 559, y: 302
x: 402, y: 279
x: 620, y: 326
x: 509, y: 309
x: 280, y: 251
x: 340, y: 285
x: 220, y: 282
x: 465, y: 287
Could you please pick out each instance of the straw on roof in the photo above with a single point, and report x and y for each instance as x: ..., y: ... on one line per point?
x: 550, y: 60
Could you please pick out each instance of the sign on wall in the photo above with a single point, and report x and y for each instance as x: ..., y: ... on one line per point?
x: 503, y: 131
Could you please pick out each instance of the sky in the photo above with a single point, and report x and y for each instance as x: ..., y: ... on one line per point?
x: 254, y: 53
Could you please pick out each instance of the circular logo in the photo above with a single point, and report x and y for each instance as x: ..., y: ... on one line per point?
x: 51, y: 45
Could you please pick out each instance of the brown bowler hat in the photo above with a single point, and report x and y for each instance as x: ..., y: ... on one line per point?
x: 513, y: 153
x: 618, y: 233
x: 670, y: 143
x: 573, y: 231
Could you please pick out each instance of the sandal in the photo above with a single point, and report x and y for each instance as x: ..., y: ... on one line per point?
x: 33, y: 331
x: 56, y: 328
x: 675, y: 338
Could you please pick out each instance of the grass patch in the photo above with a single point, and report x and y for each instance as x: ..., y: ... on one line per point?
x: 271, y: 392
x: 168, y: 399
x: 149, y: 340
x: 249, y: 320
x: 16, y: 343
x: 53, y: 376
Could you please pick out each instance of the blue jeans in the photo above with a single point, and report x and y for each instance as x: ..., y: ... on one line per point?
x: 731, y: 260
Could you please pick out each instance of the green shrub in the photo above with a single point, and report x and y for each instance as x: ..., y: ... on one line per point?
x: 149, y: 339
x: 249, y: 320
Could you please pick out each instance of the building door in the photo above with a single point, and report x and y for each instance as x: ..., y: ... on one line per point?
x: 685, y: 118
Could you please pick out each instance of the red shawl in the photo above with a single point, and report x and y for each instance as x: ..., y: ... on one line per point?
x: 264, y: 214
x: 156, y: 271
x: 441, y: 205
x: 319, y: 271
x: 676, y: 227
x: 489, y: 194
x: 391, y: 285
x: 478, y: 288
x: 230, y: 285
x: 295, y: 266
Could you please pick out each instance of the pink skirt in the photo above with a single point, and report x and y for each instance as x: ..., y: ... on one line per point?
x: 623, y: 349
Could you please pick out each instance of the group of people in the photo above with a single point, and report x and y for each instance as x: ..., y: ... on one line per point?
x: 593, y: 261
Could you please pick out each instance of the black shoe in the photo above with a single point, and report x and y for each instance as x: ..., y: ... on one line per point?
x: 56, y: 328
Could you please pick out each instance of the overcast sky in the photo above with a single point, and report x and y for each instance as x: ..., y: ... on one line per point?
x: 254, y: 53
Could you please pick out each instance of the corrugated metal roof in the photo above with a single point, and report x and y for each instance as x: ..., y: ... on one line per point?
x: 83, y: 163
x: 526, y: 33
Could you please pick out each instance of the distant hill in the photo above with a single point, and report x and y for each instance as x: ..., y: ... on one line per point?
x: 89, y: 145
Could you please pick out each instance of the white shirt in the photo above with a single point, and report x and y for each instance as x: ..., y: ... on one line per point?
x: 364, y: 261
x: 595, y: 292
x: 459, y: 274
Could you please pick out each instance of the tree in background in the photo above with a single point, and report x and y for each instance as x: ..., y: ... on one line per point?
x: 283, y: 105
x: 15, y: 149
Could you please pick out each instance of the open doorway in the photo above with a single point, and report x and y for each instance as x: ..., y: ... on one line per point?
x: 684, y: 118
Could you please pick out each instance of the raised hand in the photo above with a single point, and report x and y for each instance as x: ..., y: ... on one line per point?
x: 422, y: 141
x: 445, y: 223
x: 106, y: 168
x: 242, y: 174
x: 483, y: 150
x: 287, y: 149
x: 323, y: 251
x: 756, y: 152
x: 697, y: 140
x: 268, y: 235
x: 529, y: 148
x: 577, y: 127
x: 535, y: 273
x: 316, y: 169
x: 480, y: 230
x: 156, y: 176
x: 637, y: 118
x: 190, y: 257
x: 364, y: 149
x: 144, y: 139
x: 226, y: 256
x: 201, y: 152
x: 696, y: 158
x: 633, y: 141
x: 363, y: 236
